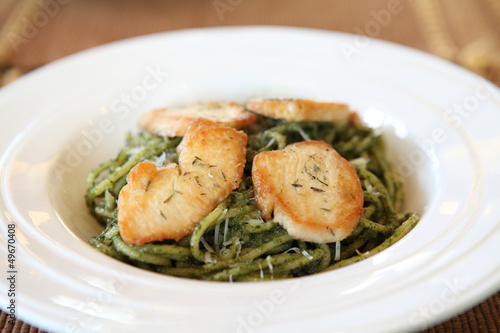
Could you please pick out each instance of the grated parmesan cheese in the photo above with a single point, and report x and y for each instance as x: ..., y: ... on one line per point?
x: 270, y: 265
x: 208, y: 258
x: 160, y: 160
x: 225, y: 231
x: 304, y: 134
x: 337, y: 250
x: 294, y: 249
x: 270, y: 143
x: 369, y: 187
x: 307, y: 255
x: 206, y: 245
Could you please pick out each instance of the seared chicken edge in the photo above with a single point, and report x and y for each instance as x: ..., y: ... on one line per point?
x: 169, y: 202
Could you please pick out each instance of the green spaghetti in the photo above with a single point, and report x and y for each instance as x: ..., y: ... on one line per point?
x: 233, y: 242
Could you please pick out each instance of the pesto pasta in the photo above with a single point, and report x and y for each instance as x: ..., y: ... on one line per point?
x: 233, y: 242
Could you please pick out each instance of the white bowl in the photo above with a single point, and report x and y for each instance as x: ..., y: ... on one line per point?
x: 439, y: 120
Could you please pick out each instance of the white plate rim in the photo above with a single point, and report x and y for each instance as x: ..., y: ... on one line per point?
x: 450, y: 309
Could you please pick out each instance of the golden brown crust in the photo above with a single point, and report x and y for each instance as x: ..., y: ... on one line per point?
x: 169, y: 202
x: 310, y: 189
x: 299, y: 110
x: 173, y: 122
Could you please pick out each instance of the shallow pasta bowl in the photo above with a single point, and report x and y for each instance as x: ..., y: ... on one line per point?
x: 439, y: 120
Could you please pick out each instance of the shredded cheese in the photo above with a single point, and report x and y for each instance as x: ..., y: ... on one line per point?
x: 206, y: 245
x: 270, y: 265
x: 369, y: 187
x: 307, y: 255
x: 270, y: 143
x: 337, y: 250
x: 304, y: 134
x: 208, y: 258
x: 226, y: 224
x: 161, y: 160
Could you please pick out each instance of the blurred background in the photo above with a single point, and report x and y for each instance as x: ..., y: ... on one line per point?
x: 466, y: 32
x: 35, y: 32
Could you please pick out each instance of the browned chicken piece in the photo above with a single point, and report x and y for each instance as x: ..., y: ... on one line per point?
x: 299, y: 110
x: 311, y: 190
x: 174, y: 121
x: 169, y: 202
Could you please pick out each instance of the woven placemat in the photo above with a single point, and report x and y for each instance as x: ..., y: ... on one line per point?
x: 466, y: 32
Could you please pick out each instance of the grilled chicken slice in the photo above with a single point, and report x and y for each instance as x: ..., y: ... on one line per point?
x: 299, y: 110
x: 313, y: 191
x: 169, y: 202
x: 174, y: 122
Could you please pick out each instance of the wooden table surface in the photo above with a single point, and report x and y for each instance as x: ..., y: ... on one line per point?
x: 467, y: 32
